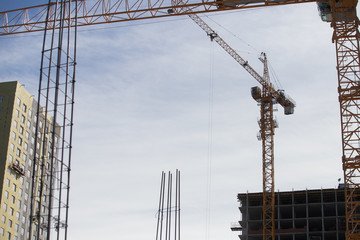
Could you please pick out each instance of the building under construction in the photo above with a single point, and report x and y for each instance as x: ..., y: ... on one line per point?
x: 299, y: 215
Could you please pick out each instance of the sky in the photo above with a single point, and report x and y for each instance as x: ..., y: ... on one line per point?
x: 142, y: 107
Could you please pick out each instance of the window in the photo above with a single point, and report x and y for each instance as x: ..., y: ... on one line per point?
x: 1, y: 232
x: 20, y: 141
x: 20, y: 191
x: 28, y: 124
x: 24, y: 108
x: 6, y: 194
x: 24, y: 156
x: 10, y: 158
x: 5, y: 207
x: 15, y: 124
x: 14, y: 187
x: 10, y: 223
x: 19, y: 203
x: 13, y: 135
x: 8, y: 182
x: 27, y: 134
x: 30, y: 113
x: 18, y: 101
x: 8, y: 235
x: 17, y: 112
x: 18, y: 152
x: 21, y: 129
x: 11, y: 211
x: 12, y: 147
x: 12, y: 198
x: 17, y: 227
x: 25, y: 145
x: 41, y: 124
x: 3, y: 219
x: 17, y: 216
x: 22, y: 118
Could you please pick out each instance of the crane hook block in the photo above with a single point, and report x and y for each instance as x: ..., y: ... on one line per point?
x: 212, y: 35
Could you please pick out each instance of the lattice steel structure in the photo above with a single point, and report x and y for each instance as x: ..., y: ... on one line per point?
x: 347, y: 51
x: 267, y: 128
x: 56, y: 95
x: 33, y: 19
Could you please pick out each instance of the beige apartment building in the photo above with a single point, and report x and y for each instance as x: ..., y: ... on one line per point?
x: 24, y: 165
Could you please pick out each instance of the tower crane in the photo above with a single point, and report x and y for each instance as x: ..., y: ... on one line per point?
x: 341, y: 14
x: 266, y: 98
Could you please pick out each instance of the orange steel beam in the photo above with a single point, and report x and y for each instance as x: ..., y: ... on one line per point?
x: 32, y: 19
x: 346, y: 37
x: 267, y: 128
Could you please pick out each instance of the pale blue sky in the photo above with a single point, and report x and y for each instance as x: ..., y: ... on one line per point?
x: 142, y: 107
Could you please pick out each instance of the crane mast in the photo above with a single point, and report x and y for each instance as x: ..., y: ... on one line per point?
x: 267, y: 127
x: 343, y: 19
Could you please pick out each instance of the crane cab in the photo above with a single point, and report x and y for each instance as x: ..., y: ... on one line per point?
x: 256, y: 93
x: 344, y: 10
x: 325, y: 11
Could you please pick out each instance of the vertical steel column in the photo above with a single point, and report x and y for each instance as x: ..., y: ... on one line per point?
x: 51, y: 170
x: 346, y: 37
x: 159, y: 213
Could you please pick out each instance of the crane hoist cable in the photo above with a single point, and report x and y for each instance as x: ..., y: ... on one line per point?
x: 210, y: 146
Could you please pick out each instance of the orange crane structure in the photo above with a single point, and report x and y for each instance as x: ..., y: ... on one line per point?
x: 266, y: 98
x: 61, y: 15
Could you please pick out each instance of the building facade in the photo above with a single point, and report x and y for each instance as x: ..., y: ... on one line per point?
x: 24, y: 165
x: 299, y: 215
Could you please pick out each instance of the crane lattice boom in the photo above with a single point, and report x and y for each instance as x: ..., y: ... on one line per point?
x: 32, y: 19
x: 279, y: 96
